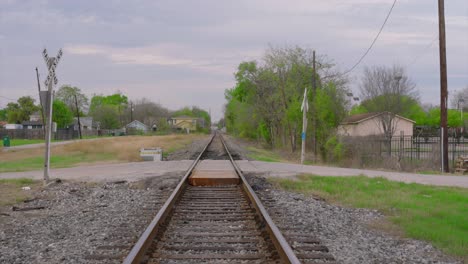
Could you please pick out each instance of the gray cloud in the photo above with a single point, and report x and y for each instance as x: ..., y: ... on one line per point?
x: 185, y: 52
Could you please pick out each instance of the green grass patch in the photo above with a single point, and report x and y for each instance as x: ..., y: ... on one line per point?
x: 262, y: 155
x: 36, y: 163
x: 435, y: 214
x: 17, y: 181
x: 20, y: 142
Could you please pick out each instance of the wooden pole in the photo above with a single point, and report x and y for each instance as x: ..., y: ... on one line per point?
x: 443, y: 90
x: 78, y: 115
x: 314, y: 89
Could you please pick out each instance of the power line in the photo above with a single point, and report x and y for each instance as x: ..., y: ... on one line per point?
x: 373, y: 42
x: 416, y: 58
x: 9, y: 99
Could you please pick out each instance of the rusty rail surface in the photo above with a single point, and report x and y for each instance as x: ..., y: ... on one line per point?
x: 138, y: 251
x: 284, y: 250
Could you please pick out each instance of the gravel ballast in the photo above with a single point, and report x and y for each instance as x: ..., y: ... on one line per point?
x: 82, y: 223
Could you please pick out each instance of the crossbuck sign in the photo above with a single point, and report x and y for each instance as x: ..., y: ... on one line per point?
x: 51, y: 63
x: 51, y: 80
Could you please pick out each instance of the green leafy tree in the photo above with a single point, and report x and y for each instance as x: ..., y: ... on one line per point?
x: 266, y: 102
x: 454, y: 118
x: 22, y: 110
x: 61, y: 114
x: 3, y: 114
x: 108, y: 110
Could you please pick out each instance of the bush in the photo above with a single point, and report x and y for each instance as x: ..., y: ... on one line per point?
x: 334, y: 150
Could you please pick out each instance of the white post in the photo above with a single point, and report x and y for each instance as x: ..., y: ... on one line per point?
x: 304, y: 108
x: 48, y: 134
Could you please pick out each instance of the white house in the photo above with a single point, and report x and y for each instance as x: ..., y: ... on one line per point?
x: 370, y: 124
x: 86, y: 123
x: 136, y: 125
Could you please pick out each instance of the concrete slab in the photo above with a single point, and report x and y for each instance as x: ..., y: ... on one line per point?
x: 132, y: 171
x: 277, y: 169
x: 213, y: 173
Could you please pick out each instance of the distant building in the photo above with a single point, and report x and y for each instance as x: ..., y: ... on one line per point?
x: 32, y: 125
x: 36, y: 116
x: 13, y: 126
x: 369, y: 124
x: 2, y: 124
x: 85, y: 122
x: 136, y: 125
x: 184, y: 122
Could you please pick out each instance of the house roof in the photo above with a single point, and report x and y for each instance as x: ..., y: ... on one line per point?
x: 32, y: 123
x: 358, y: 118
x: 184, y: 117
x: 136, y: 122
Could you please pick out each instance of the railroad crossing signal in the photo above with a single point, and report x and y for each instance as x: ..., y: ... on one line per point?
x: 51, y: 63
x: 51, y: 80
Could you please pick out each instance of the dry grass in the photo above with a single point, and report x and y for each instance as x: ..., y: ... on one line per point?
x: 11, y: 192
x: 116, y: 149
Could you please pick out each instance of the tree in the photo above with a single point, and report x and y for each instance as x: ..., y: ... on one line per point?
x: 266, y: 102
x: 61, y: 114
x: 20, y: 111
x: 460, y: 99
x: 3, y: 114
x: 148, y: 112
x: 107, y: 116
x: 386, y: 89
x: 67, y: 94
x: 108, y: 110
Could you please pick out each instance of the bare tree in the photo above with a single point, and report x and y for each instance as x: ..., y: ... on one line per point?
x: 67, y: 94
x: 385, y: 89
x: 460, y: 99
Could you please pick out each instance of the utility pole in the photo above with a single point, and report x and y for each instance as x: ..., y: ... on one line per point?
x: 314, y: 115
x: 40, y: 100
x: 304, y: 109
x: 78, y: 116
x: 49, y: 82
x: 443, y: 90
x: 131, y: 111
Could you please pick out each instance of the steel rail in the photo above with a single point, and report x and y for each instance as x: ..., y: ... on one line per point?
x: 144, y: 242
x: 284, y: 249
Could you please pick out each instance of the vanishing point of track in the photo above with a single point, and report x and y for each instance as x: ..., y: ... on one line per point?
x: 218, y: 223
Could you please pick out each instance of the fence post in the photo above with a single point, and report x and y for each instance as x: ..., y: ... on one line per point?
x: 401, y: 148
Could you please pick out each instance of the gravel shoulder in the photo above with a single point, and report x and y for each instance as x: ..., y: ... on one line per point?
x: 82, y: 223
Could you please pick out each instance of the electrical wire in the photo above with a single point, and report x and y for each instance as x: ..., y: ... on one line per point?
x: 423, y: 53
x: 9, y: 99
x: 373, y: 42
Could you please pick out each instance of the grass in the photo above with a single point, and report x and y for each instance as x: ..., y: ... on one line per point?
x: 116, y: 149
x: 262, y: 155
x: 20, y: 142
x: 11, y: 192
x: 435, y: 214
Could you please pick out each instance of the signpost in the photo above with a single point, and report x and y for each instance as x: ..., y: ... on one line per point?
x: 304, y: 109
x: 51, y: 80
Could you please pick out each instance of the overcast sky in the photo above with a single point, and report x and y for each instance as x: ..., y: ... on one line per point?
x: 182, y: 53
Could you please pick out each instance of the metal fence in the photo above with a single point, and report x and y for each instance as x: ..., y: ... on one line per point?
x: 420, y: 149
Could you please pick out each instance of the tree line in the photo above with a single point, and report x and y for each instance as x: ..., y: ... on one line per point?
x: 265, y: 103
x: 108, y: 111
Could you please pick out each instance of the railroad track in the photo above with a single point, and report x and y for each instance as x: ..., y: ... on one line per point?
x: 221, y: 221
